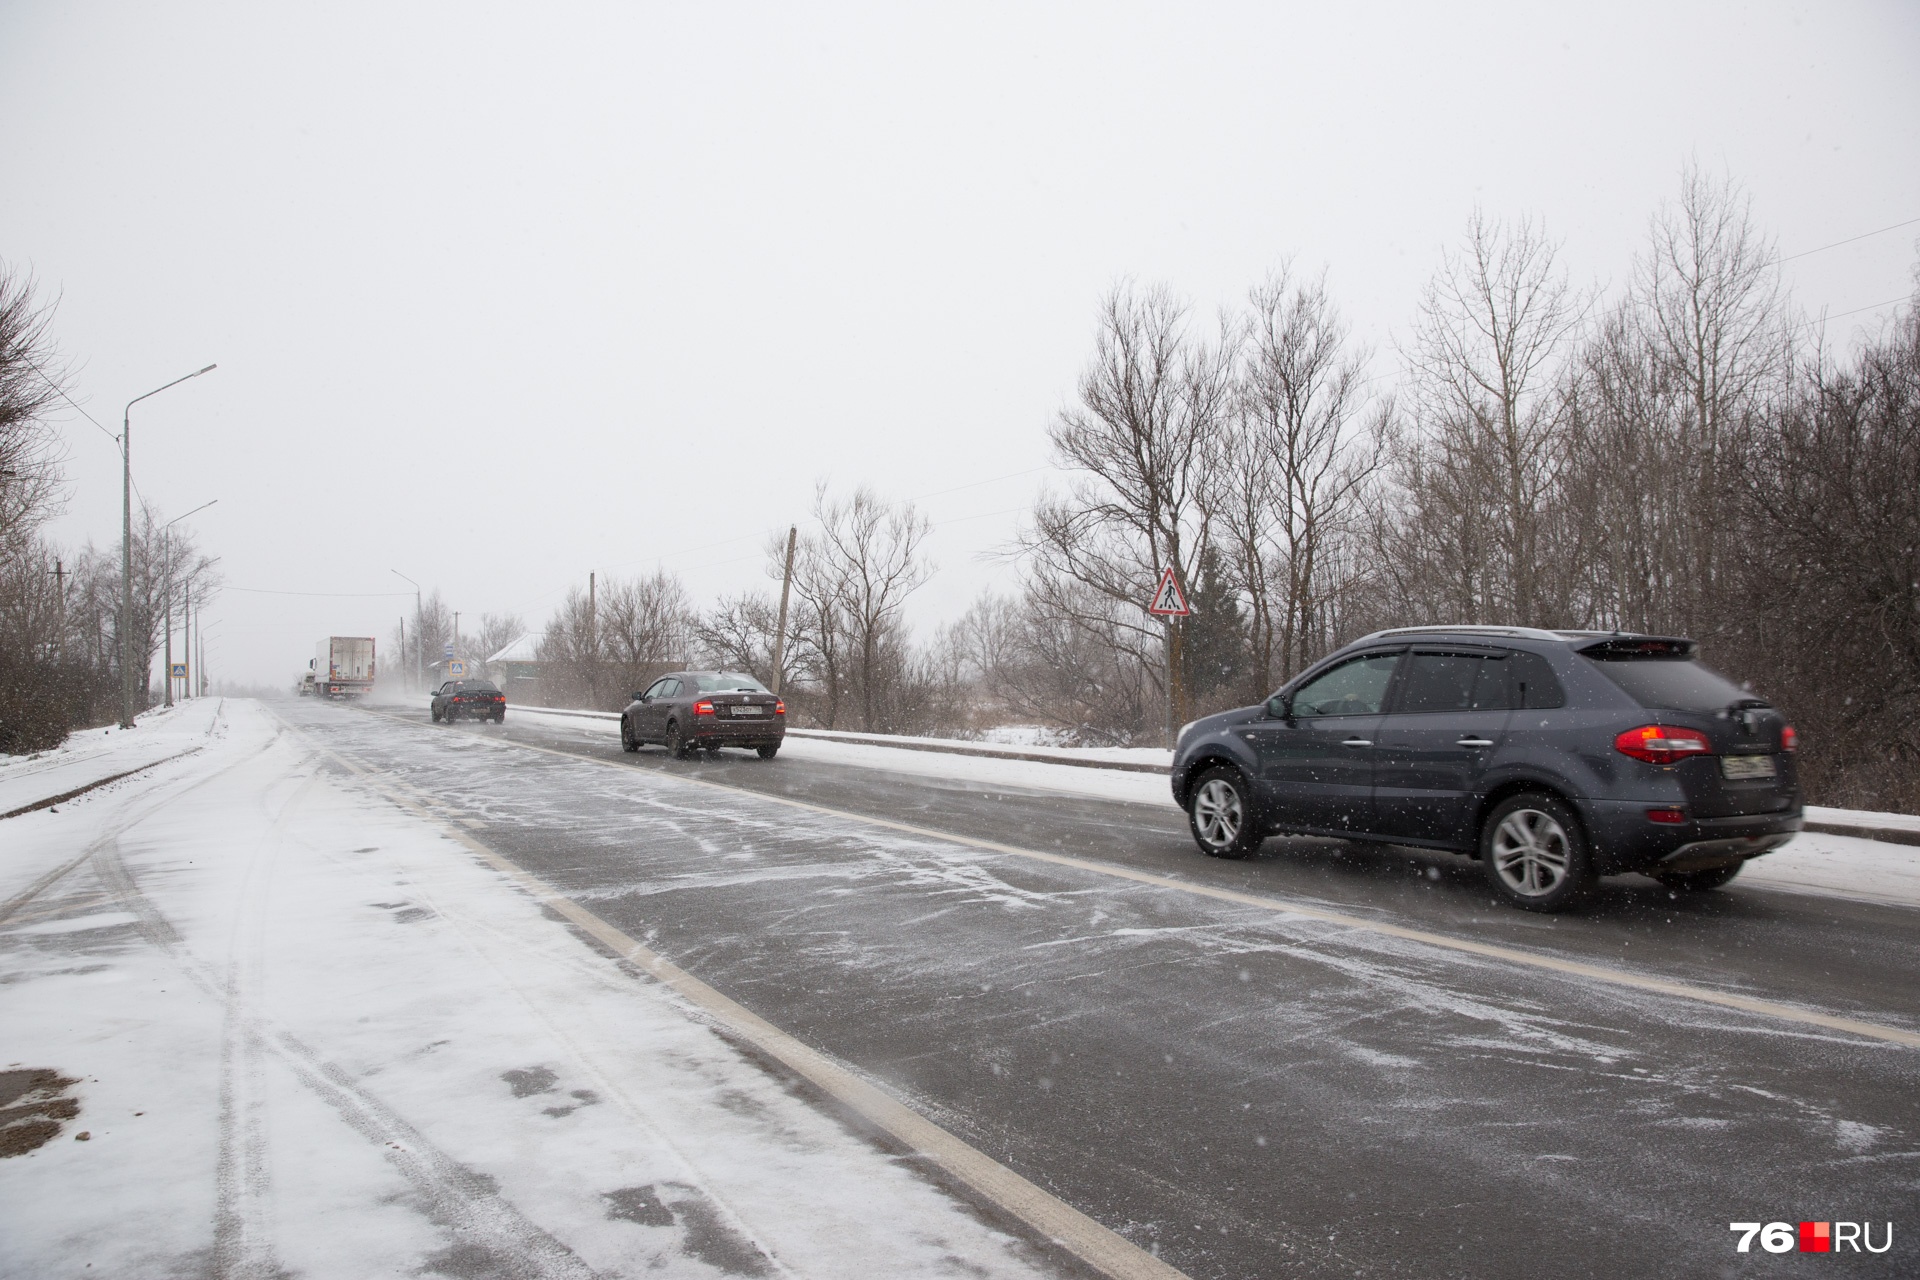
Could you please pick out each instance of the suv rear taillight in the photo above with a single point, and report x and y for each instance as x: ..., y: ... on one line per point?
x: 1662, y: 743
x: 704, y: 707
x: 1789, y: 740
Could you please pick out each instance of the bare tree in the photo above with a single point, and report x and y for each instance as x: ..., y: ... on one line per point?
x: 1707, y: 299
x: 1146, y: 439
x: 1298, y: 464
x: 29, y: 471
x: 852, y: 574
x: 426, y: 635
x: 598, y: 649
x: 497, y: 631
x: 736, y: 634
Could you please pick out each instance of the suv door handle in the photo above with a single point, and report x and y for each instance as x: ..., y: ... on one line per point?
x: 1357, y: 742
x: 1474, y: 742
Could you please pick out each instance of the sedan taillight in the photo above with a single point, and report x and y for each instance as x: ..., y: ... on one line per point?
x: 704, y: 707
x: 780, y: 708
x: 1662, y: 743
x: 1789, y: 740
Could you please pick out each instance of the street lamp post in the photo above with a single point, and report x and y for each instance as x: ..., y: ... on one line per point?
x: 419, y: 662
x: 166, y: 565
x: 126, y: 546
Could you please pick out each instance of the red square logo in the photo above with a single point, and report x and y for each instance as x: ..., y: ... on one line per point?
x: 1816, y: 1237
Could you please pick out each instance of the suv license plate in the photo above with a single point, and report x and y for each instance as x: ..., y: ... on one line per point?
x: 1747, y: 766
x: 754, y: 711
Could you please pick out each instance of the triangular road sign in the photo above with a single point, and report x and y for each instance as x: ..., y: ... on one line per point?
x: 1167, y: 598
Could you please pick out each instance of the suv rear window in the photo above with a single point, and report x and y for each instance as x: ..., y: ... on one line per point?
x: 1672, y: 683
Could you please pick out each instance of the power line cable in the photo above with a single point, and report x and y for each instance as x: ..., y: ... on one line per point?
x: 62, y: 393
x: 329, y: 595
x: 1850, y: 239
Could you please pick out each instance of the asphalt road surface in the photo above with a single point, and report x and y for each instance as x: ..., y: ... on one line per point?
x: 1242, y: 1090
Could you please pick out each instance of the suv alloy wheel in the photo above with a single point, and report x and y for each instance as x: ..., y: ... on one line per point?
x: 1535, y: 853
x: 1221, y: 814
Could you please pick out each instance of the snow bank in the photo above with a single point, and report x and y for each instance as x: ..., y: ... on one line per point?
x: 314, y: 1034
x: 91, y: 754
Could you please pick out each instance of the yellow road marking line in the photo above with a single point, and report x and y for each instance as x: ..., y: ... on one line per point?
x: 1054, y: 1219
x: 1486, y: 951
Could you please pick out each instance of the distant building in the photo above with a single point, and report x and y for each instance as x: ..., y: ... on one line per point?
x: 516, y: 668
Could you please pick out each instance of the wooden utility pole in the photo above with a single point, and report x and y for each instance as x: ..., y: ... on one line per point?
x: 786, y: 588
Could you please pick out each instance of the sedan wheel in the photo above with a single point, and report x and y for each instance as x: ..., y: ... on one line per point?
x: 1536, y: 857
x: 627, y: 741
x: 1219, y: 815
x: 676, y: 746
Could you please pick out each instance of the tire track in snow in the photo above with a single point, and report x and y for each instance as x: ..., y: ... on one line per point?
x: 486, y: 1230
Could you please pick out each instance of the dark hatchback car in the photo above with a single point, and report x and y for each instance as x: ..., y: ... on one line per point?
x: 1554, y: 757
x: 469, y: 700
x: 710, y: 709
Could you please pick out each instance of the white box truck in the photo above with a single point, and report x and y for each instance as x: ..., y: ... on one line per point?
x: 343, y: 667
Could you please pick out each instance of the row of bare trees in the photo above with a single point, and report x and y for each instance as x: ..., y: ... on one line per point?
x: 1686, y: 457
x: 60, y: 609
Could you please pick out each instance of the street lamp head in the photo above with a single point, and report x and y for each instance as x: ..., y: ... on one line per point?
x: 209, y: 369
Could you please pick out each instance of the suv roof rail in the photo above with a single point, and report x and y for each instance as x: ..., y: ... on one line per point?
x: 1475, y: 629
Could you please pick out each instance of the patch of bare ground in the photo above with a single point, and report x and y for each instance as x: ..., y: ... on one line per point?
x: 33, y: 1102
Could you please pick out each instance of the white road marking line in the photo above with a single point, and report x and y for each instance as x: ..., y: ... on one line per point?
x: 1052, y: 1218
x: 1484, y: 950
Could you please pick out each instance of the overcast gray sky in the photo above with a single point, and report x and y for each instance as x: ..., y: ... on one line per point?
x: 503, y: 295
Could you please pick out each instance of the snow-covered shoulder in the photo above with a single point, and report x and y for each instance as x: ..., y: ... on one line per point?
x: 293, y: 1028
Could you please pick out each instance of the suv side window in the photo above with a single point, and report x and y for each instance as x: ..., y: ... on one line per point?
x: 1451, y: 682
x: 1531, y: 684
x: 1357, y: 687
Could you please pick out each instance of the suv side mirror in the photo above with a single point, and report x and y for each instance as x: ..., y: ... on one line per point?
x: 1280, y: 707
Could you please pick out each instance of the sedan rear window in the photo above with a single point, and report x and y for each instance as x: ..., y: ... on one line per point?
x: 728, y: 682
x: 1670, y: 683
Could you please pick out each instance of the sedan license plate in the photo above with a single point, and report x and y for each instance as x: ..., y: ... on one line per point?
x: 1746, y: 767
x: 748, y: 711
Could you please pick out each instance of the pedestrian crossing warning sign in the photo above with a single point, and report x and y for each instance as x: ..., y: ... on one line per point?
x: 179, y: 671
x: 1167, y: 598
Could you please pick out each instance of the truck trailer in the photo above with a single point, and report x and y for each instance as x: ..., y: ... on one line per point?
x: 343, y: 667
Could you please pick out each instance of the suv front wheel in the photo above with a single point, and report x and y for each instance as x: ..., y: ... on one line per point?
x: 1535, y: 853
x: 1220, y: 813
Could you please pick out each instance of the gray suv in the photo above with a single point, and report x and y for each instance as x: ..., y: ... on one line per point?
x: 1554, y: 757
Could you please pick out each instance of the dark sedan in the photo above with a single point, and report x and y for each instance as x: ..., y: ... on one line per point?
x: 1555, y: 757
x: 710, y: 709
x: 469, y: 700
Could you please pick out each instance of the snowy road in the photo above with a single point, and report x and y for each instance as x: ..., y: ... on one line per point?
x: 1245, y: 1091
x: 1297, y: 1065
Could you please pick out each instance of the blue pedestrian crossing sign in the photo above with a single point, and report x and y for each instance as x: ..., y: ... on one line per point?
x: 179, y: 671
x: 456, y: 668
